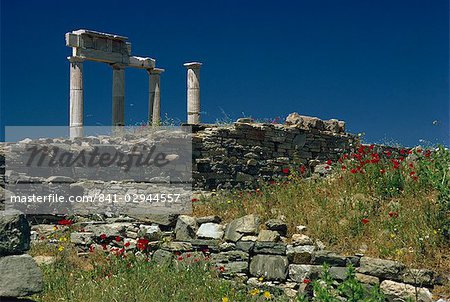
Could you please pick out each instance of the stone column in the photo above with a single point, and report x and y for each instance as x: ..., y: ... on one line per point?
x: 118, y: 95
x: 76, y: 97
x: 193, y: 92
x: 154, y: 96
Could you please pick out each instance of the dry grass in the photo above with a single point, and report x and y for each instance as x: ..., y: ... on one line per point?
x: 333, y: 210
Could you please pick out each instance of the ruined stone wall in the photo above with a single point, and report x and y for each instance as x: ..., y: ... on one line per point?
x: 239, y: 154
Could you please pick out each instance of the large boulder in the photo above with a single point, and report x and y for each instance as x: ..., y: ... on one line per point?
x: 247, y: 225
x: 19, y: 276
x: 385, y: 269
x: 400, y: 292
x: 186, y: 228
x: 271, y: 267
x: 14, y: 233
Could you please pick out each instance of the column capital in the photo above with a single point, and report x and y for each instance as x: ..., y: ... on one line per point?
x: 155, y: 71
x: 73, y: 59
x: 192, y: 65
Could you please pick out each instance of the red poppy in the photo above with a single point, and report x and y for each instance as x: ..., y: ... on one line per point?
x: 343, y: 168
x: 427, y: 153
x: 415, y: 178
x: 221, y: 269
x: 393, y: 214
x: 365, y: 221
x: 411, y: 165
x: 345, y: 156
x: 118, y: 238
x: 271, y: 182
x: 402, y: 152
x: 329, y: 162
x: 65, y: 222
x: 285, y: 170
x: 104, y: 247
x: 188, y: 255
x: 91, y: 249
x: 180, y: 258
x: 371, y: 147
x: 388, y: 153
x: 196, y: 260
x: 302, y: 169
x: 361, y: 149
x: 103, y: 236
x: 194, y: 199
x: 353, y: 171
x: 142, y: 244
x: 306, y: 281
x: 382, y: 171
x: 412, y: 173
x: 127, y: 244
x: 419, y: 150
x: 42, y: 238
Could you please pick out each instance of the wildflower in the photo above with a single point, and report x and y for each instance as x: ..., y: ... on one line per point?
x: 382, y: 171
x: 306, y: 281
x: 343, y: 168
x: 419, y: 150
x: 55, y: 228
x: 225, y: 299
x: 365, y: 221
x: 415, y: 178
x: 103, y: 236
x: 194, y: 199
x: 104, y: 247
x: 65, y: 222
x: 221, y: 269
x: 229, y: 201
x: 267, y: 295
x: 142, y: 244
x: 60, y: 248
x: 254, y: 292
x: 302, y: 169
x: 188, y: 255
x: 285, y: 170
x: 329, y: 162
x: 127, y: 244
x: 427, y: 153
x: 91, y: 249
x: 196, y: 260
x: 393, y: 214
x: 353, y: 171
x: 371, y: 147
x: 388, y: 153
x: 402, y: 152
x: 412, y: 173
x: 260, y: 279
x: 180, y: 258
x: 411, y: 165
x: 118, y: 238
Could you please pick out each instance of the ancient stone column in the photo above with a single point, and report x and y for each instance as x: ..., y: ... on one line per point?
x: 76, y: 97
x: 193, y: 92
x: 154, y: 96
x: 118, y: 95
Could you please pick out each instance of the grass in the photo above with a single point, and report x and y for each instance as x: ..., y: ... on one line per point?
x: 384, y: 205
x: 389, y: 207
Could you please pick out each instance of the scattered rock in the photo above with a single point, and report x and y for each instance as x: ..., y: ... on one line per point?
x: 245, y: 225
x: 267, y: 235
x: 185, y: 228
x: 399, y: 292
x: 300, y: 272
x: 385, y: 269
x: 161, y: 219
x: 14, y: 233
x: 210, y: 230
x: 206, y: 219
x: 300, y: 239
x: 44, y: 260
x: 269, y: 248
x: 300, y: 254
x: 271, y: 267
x: 330, y: 258
x: 277, y: 225
x: 19, y: 276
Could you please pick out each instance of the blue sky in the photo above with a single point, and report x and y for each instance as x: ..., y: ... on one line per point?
x: 382, y: 66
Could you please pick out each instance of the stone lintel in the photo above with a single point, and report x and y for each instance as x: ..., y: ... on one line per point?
x: 99, y: 34
x: 192, y: 65
x: 155, y: 70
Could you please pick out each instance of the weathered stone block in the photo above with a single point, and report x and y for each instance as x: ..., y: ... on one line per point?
x: 269, y: 248
x: 19, y: 276
x: 185, y: 228
x: 14, y: 233
x: 300, y: 254
x: 210, y: 230
x: 386, y: 269
x: 271, y: 267
x: 400, y: 292
x: 300, y: 272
